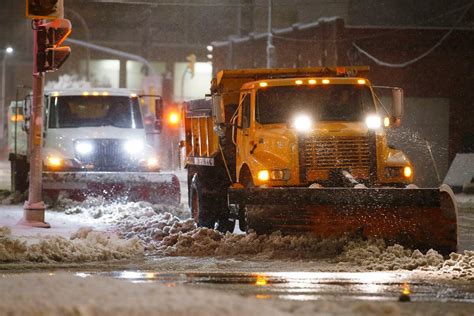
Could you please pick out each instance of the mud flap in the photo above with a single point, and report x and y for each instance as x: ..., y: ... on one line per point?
x: 153, y: 187
x: 416, y: 218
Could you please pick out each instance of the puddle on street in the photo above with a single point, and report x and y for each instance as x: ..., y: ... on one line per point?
x: 307, y: 286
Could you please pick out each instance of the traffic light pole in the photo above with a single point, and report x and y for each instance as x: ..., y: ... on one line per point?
x: 34, y: 208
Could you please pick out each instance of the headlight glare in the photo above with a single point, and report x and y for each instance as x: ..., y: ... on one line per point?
x: 84, y: 148
x: 134, y: 146
x: 407, y: 172
x: 263, y: 175
x: 152, y: 162
x: 373, y: 121
x: 302, y: 123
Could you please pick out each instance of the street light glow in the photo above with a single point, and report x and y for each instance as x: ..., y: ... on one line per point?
x: 9, y: 50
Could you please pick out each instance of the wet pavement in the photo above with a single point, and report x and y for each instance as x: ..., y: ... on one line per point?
x: 309, y: 286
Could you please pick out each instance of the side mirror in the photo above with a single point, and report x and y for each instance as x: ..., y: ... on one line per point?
x: 158, y: 114
x: 218, y: 109
x: 397, y: 103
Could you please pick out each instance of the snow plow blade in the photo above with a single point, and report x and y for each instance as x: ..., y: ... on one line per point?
x: 153, y: 187
x: 415, y: 218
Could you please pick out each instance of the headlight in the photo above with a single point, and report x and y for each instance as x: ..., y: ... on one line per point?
x: 152, y: 162
x: 407, y: 172
x: 373, y: 121
x: 263, y: 175
x: 302, y: 123
x: 84, y: 148
x: 134, y: 146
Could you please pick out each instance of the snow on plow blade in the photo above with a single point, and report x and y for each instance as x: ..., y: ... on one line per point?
x: 415, y: 218
x: 153, y: 187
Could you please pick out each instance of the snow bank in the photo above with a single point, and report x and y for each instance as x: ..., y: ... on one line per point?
x: 205, y: 242
x: 458, y: 266
x: 375, y: 255
x: 8, y: 198
x: 164, y: 233
x: 84, y: 246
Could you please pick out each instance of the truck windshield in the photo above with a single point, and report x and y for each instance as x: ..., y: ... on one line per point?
x: 86, y: 111
x: 341, y: 102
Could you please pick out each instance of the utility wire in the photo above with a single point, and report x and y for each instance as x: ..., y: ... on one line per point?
x: 414, y: 60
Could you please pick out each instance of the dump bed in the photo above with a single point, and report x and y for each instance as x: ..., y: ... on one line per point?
x: 201, y: 140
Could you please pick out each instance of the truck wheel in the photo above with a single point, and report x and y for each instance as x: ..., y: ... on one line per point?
x: 225, y: 225
x: 19, y: 175
x: 202, y: 215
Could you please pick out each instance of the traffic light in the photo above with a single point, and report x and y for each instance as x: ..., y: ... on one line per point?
x: 50, y: 55
x: 191, y: 61
x: 44, y: 9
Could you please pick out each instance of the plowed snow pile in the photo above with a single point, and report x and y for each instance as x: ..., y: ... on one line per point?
x: 163, y: 232
x: 84, y: 245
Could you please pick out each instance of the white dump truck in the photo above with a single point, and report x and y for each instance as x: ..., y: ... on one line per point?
x: 94, y: 143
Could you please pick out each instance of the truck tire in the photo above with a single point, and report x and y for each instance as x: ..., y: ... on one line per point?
x: 200, y: 204
x: 224, y: 224
x: 19, y: 174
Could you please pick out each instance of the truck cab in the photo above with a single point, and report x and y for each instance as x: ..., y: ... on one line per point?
x: 305, y: 131
x: 95, y: 142
x: 99, y: 130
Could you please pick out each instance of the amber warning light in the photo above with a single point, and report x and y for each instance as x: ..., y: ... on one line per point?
x: 173, y: 117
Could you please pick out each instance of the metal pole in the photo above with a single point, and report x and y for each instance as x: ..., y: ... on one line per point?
x: 270, y: 47
x: 33, y: 210
x: 114, y: 52
x: 182, y: 83
x: 2, y: 129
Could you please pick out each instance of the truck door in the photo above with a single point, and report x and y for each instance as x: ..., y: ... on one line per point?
x: 244, y: 136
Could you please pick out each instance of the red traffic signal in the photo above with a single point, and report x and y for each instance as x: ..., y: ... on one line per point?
x: 50, y: 55
x: 44, y: 9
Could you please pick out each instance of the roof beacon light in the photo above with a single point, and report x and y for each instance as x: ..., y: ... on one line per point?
x: 263, y: 84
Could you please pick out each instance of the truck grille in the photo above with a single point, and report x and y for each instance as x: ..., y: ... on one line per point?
x: 106, y: 155
x: 341, y: 152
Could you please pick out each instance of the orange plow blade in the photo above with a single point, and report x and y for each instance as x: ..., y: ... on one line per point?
x: 415, y: 218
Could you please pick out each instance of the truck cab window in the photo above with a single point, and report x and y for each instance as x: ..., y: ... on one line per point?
x: 339, y: 102
x: 80, y: 111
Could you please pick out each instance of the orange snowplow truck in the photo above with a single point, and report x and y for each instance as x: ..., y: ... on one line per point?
x: 305, y: 151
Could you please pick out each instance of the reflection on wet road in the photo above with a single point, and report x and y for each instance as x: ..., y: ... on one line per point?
x: 311, y: 285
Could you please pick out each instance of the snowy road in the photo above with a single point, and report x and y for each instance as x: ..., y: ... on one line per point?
x: 137, y: 257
